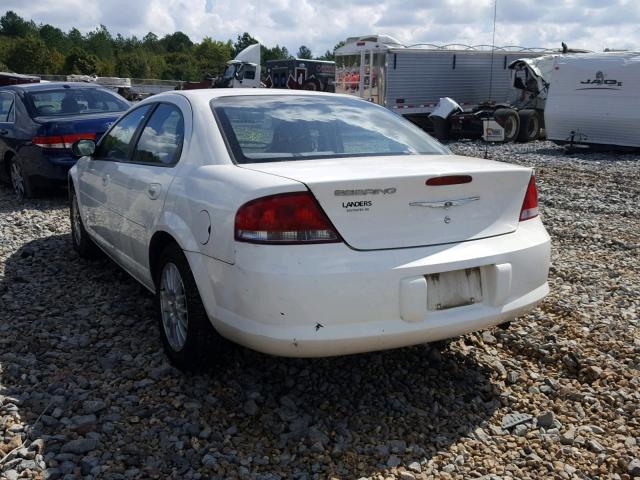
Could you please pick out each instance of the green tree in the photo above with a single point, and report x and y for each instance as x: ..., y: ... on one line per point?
x: 180, y: 66
x: 135, y: 65
x: 29, y: 55
x: 211, y: 55
x: 99, y: 42
x: 57, y: 62
x: 243, y: 42
x: 176, y: 42
x: 79, y: 61
x: 75, y: 38
x: 331, y: 54
x: 328, y: 55
x: 274, y: 53
x: 13, y: 25
x: 151, y: 43
x: 304, y: 52
x: 54, y: 38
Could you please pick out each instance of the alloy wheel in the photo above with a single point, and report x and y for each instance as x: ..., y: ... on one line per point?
x: 17, y: 180
x: 173, y: 306
x: 77, y: 220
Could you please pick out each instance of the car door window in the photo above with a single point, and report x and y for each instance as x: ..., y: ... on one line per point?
x: 7, y: 101
x: 161, y: 139
x: 116, y: 143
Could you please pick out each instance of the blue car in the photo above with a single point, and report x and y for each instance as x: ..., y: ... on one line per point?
x: 38, y: 124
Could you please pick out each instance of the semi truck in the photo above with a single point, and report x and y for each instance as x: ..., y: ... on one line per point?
x: 411, y: 80
x: 241, y: 72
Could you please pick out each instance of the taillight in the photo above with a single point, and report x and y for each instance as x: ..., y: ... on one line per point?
x: 530, y: 204
x: 284, y: 218
x: 61, y: 141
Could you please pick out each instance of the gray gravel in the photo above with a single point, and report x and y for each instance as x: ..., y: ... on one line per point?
x: 85, y: 391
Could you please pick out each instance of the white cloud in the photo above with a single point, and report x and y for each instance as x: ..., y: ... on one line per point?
x: 592, y: 24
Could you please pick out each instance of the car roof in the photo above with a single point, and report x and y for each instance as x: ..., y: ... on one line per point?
x: 206, y: 94
x: 35, y: 87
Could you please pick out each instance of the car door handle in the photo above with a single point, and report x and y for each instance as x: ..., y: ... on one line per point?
x: 4, y: 132
x: 153, y: 190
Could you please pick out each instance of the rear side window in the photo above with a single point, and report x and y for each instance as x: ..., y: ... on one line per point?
x: 78, y: 101
x: 161, y: 140
x: 115, y: 144
x: 7, y: 108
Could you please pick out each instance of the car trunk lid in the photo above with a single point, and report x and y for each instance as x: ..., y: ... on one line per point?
x: 385, y: 202
x: 67, y: 128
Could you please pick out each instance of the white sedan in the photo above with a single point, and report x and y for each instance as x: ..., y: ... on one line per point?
x: 305, y: 224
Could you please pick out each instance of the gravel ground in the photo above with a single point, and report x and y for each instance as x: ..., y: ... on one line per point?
x: 85, y: 391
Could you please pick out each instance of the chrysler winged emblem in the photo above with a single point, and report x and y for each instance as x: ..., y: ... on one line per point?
x: 446, y: 204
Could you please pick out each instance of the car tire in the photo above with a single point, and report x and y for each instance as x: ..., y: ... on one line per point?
x: 529, y: 125
x: 82, y: 242
x: 510, y: 121
x: 188, y: 338
x: 19, y: 181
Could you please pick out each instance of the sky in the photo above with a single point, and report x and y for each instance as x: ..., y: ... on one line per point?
x: 320, y: 24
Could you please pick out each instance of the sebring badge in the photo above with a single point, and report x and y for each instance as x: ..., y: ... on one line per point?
x: 365, y: 191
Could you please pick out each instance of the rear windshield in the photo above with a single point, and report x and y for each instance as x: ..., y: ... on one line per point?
x: 287, y: 127
x: 74, y: 101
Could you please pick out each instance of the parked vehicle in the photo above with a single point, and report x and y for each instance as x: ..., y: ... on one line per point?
x: 410, y: 80
x: 301, y: 74
x: 241, y: 72
x: 521, y: 117
x: 9, y: 78
x: 593, y: 101
x: 38, y: 124
x: 342, y: 231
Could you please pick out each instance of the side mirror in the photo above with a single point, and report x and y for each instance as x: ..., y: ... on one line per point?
x: 83, y: 148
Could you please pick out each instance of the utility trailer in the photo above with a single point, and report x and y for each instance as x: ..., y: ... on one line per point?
x: 594, y: 101
x: 301, y: 74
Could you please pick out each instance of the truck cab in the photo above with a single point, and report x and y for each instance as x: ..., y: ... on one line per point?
x: 243, y: 71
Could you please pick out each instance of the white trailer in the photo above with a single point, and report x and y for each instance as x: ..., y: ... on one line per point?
x: 411, y: 79
x: 594, y: 100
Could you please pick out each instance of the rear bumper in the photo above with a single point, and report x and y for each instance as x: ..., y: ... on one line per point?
x: 325, y: 300
x: 46, y: 169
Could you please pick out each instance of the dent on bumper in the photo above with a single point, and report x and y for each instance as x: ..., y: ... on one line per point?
x: 321, y: 300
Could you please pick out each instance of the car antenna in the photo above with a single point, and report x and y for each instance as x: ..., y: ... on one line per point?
x: 493, y: 48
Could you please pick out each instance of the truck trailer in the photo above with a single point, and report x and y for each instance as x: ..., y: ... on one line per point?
x: 593, y: 101
x: 411, y: 79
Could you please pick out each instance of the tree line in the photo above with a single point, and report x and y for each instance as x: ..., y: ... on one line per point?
x: 26, y: 47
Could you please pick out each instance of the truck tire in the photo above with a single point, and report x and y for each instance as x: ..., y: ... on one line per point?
x: 441, y: 127
x: 508, y: 119
x: 529, y: 125
x: 312, y: 84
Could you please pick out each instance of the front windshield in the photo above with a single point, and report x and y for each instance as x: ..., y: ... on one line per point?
x: 269, y: 128
x: 229, y: 71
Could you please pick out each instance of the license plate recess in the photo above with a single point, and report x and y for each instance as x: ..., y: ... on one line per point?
x: 454, y: 289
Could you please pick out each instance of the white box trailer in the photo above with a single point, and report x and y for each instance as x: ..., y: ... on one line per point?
x: 411, y: 79
x: 594, y: 100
